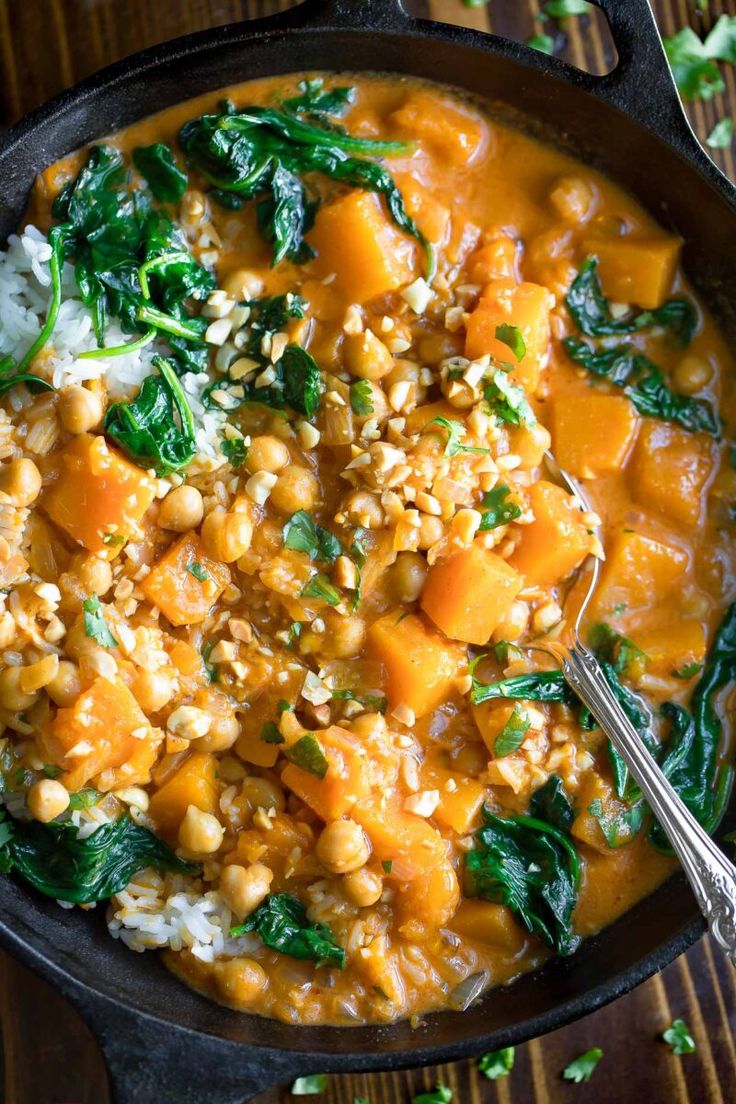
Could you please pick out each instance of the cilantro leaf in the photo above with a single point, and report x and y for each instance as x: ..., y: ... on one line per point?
x: 508, y: 400
x: 561, y: 9
x: 307, y: 754
x: 234, y: 450
x: 496, y: 510
x: 581, y: 1068
x: 361, y: 396
x: 440, y: 1095
x: 721, y: 135
x: 198, y: 572
x: 455, y: 431
x: 513, y: 337
x: 498, y: 1063
x: 302, y: 534
x: 542, y: 42
x: 95, y: 625
x: 310, y: 1085
x: 271, y: 734
x: 319, y: 586
x: 679, y: 1038
x: 687, y: 671
x: 317, y: 103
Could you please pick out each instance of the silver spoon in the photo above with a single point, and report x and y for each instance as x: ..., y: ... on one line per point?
x: 712, y: 877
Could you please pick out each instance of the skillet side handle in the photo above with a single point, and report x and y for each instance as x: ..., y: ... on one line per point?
x: 148, y: 1061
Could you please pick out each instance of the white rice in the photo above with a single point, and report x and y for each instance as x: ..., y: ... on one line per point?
x: 25, y: 291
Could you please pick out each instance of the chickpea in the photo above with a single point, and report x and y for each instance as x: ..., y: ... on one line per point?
x: 692, y: 374
x: 182, y: 509
x: 366, y: 356
x: 12, y: 697
x: 47, y: 800
x: 295, y: 489
x: 152, y: 690
x: 370, y: 726
x: 431, y: 530
x: 267, y: 453
x: 20, y: 480
x: 200, y: 833
x: 363, y: 887
x: 407, y: 576
x: 343, y: 847
x: 244, y: 889
x: 530, y: 443
x: 239, y: 980
x: 262, y: 793
x: 402, y: 371
x: 343, y: 637
x: 94, y: 574
x: 364, y: 508
x: 243, y: 284
x: 223, y: 732
x: 80, y: 409
x: 65, y: 687
x: 438, y: 347
x: 226, y: 535
x: 573, y: 198
x: 513, y: 625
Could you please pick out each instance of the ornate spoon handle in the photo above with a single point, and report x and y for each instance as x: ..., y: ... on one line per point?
x: 711, y: 876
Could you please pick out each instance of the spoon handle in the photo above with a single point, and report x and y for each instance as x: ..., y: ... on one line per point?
x: 711, y: 876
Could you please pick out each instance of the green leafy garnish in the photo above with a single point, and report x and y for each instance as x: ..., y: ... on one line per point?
x: 496, y: 510
x: 508, y: 400
x: 282, y: 924
x: 693, y: 61
x: 687, y: 671
x: 498, y: 1063
x: 95, y: 625
x: 618, y: 823
x: 454, y: 430
x: 83, y: 799
x: 156, y: 429
x: 57, y: 863
x: 581, y: 1068
x: 561, y: 9
x: 271, y: 734
x: 592, y: 314
x: 157, y: 166
x: 511, y: 736
x: 542, y: 42
x: 533, y: 868
x: 263, y: 153
x: 440, y: 1095
x: 307, y: 754
x: 679, y: 1038
x: 544, y: 686
x: 319, y: 586
x: 234, y: 449
x: 9, y: 381
x: 387, y: 865
x: 310, y: 1085
x: 721, y: 135
x: 198, y: 572
x: 513, y: 337
x: 626, y: 657
x: 302, y: 534
x: 361, y: 397
x: 316, y: 102
x: 368, y: 701
x: 550, y: 803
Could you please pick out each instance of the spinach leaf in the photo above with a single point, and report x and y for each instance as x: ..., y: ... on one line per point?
x: 533, y: 868
x: 157, y: 428
x: 544, y: 686
x: 618, y: 823
x: 263, y: 153
x: 300, y: 376
x: 617, y: 649
x: 302, y: 534
x: 511, y: 736
x: 551, y: 804
x: 281, y: 922
x: 496, y: 510
x: 56, y: 862
x: 591, y: 312
x: 317, y: 103
x: 644, y: 384
x: 157, y: 166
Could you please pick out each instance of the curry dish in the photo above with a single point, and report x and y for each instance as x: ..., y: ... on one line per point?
x: 280, y: 367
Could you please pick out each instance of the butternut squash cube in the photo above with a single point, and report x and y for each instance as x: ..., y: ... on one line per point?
x: 355, y: 239
x: 671, y: 471
x: 466, y: 595
x: 193, y: 783
x: 185, y: 583
x: 103, y: 730
x: 593, y: 433
x: 431, y: 216
x: 456, y: 132
x: 672, y: 647
x: 408, y: 842
x: 556, y: 542
x: 485, y: 922
x: 639, y: 572
x: 527, y: 306
x: 495, y: 260
x: 461, y: 797
x: 252, y: 749
x: 421, y: 664
x: 345, y: 782
x: 639, y: 271
x: 99, y: 497
x: 491, y: 717
x: 421, y: 416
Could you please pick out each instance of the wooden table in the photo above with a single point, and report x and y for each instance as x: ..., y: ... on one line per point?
x: 49, y: 1055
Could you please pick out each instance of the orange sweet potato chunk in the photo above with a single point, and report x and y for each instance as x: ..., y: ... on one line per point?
x: 420, y: 663
x: 672, y: 646
x: 183, y: 598
x: 456, y: 132
x: 345, y: 782
x: 671, y: 470
x: 355, y: 239
x: 194, y: 783
x: 527, y: 306
x: 556, y: 542
x: 408, y: 842
x: 466, y: 595
x: 102, y: 730
x: 98, y: 494
x: 636, y: 270
x: 593, y: 433
x: 639, y: 572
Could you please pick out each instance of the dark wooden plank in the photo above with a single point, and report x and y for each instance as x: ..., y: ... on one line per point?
x: 49, y: 1055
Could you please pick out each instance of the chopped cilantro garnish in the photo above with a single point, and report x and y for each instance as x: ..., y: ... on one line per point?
x: 307, y: 754
x: 679, y: 1038
x: 361, y: 397
x: 95, y: 624
x: 581, y: 1068
x: 198, y: 572
x: 513, y: 337
x: 498, y: 1063
x: 511, y: 736
x: 454, y: 432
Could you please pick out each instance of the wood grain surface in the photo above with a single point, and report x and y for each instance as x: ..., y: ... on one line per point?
x: 49, y: 1056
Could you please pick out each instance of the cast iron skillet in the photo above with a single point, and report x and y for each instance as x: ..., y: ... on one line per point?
x: 161, y: 1040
